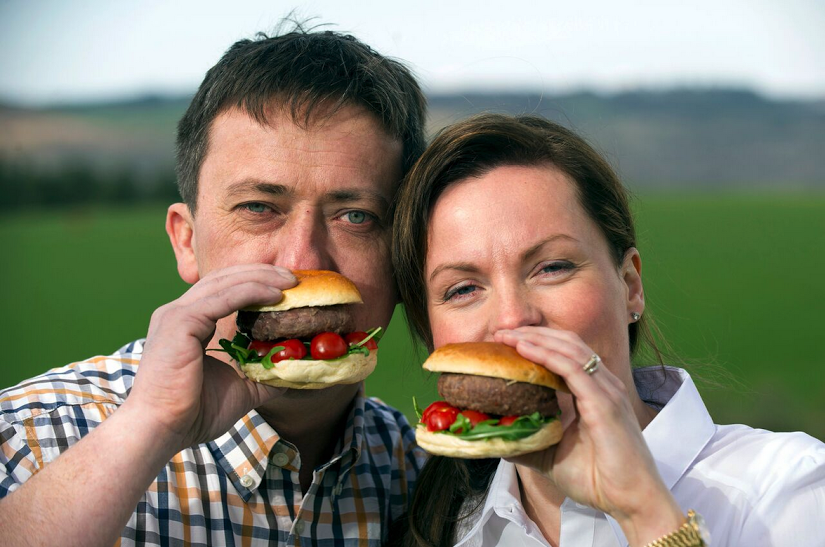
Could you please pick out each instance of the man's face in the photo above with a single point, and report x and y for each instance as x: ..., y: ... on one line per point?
x: 314, y: 198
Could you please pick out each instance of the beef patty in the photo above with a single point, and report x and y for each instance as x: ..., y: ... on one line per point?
x: 297, y: 323
x: 497, y: 396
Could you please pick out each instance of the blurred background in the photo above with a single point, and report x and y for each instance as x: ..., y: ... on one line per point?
x: 713, y: 113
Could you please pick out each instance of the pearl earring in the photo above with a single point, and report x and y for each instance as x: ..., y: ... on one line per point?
x: 635, y: 316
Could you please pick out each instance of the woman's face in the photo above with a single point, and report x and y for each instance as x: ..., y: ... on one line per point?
x: 514, y: 248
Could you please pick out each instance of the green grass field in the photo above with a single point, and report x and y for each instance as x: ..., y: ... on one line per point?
x: 735, y: 283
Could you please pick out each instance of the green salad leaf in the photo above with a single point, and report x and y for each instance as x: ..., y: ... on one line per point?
x: 522, y: 427
x: 418, y: 411
x: 237, y: 349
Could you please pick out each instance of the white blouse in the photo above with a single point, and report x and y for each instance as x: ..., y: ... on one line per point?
x: 753, y: 487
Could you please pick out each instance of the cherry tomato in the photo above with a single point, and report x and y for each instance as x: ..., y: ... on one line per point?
x: 260, y: 347
x: 475, y: 416
x: 507, y: 420
x: 327, y: 345
x: 432, y: 408
x: 442, y: 418
x: 357, y: 336
x: 293, y: 349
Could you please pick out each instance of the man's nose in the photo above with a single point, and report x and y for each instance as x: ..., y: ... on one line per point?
x: 303, y: 243
x: 515, y: 309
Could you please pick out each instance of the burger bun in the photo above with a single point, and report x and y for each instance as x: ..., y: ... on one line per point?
x: 493, y: 360
x: 313, y: 374
x: 315, y: 288
x: 442, y: 444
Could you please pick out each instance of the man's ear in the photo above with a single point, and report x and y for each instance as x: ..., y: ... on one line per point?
x: 181, y: 230
x: 632, y: 277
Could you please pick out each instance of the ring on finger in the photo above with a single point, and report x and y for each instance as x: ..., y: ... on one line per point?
x: 592, y: 365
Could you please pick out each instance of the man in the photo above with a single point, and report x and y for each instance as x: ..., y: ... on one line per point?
x: 289, y: 157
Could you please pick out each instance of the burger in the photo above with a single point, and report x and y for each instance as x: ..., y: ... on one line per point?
x: 497, y: 403
x: 307, y: 340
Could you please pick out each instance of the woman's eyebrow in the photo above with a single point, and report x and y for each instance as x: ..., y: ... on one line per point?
x: 536, y: 249
x: 458, y: 266
x: 469, y: 267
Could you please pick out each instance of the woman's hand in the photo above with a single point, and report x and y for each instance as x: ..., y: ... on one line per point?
x: 602, y: 460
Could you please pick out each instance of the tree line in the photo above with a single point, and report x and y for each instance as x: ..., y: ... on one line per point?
x: 78, y: 183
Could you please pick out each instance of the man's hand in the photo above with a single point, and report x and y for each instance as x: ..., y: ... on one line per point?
x: 188, y: 395
x: 180, y: 397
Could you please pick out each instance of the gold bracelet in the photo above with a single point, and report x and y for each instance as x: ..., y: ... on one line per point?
x: 692, y: 533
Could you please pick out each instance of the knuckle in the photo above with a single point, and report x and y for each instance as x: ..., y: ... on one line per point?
x: 160, y: 313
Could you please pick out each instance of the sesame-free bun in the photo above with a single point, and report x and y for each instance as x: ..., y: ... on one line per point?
x: 441, y: 444
x: 315, y: 288
x: 493, y: 360
x: 313, y: 374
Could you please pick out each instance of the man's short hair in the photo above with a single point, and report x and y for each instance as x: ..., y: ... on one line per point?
x: 304, y: 71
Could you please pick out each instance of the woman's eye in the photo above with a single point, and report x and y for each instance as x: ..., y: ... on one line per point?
x: 556, y: 267
x: 255, y: 207
x: 459, y: 292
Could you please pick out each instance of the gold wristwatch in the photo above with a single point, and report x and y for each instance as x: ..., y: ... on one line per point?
x: 692, y: 533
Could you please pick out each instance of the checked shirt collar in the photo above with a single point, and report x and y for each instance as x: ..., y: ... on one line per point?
x: 243, y: 452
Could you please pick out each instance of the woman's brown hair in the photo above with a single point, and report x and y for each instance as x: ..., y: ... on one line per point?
x: 464, y: 150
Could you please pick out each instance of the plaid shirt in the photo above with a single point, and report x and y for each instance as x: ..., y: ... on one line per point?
x: 240, y: 489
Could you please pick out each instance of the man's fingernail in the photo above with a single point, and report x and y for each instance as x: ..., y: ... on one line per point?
x: 286, y: 274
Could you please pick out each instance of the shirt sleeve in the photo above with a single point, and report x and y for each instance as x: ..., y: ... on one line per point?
x: 18, y: 462
x: 791, y: 511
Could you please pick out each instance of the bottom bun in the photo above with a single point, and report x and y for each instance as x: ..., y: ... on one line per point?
x: 313, y: 374
x: 441, y: 444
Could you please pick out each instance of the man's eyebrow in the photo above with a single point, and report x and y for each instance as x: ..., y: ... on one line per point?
x: 349, y: 195
x: 245, y: 186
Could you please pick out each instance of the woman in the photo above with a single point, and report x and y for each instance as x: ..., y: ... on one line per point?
x: 515, y: 230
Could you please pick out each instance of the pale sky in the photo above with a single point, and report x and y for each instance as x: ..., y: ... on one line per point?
x: 66, y: 50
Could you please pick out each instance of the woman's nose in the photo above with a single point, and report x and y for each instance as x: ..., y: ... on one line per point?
x: 515, y: 310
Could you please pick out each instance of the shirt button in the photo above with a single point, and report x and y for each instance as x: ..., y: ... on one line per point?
x: 299, y: 527
x: 247, y: 481
x: 280, y: 459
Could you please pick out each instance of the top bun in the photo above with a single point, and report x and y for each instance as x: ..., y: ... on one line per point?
x: 315, y: 288
x: 494, y: 360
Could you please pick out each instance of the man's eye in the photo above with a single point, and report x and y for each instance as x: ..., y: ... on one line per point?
x: 255, y: 207
x: 356, y: 217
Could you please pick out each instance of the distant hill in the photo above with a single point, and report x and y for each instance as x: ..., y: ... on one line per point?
x: 680, y: 138
x: 670, y: 139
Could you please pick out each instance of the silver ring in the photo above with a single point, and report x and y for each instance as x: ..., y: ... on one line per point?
x: 592, y: 365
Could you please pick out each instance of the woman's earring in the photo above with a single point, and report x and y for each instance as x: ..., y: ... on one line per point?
x: 635, y: 316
